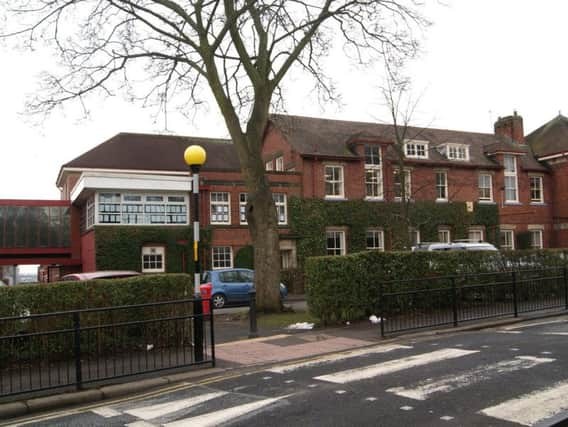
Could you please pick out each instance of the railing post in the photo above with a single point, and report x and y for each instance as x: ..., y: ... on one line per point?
x: 212, y: 331
x: 381, y: 310
x: 455, y: 301
x: 515, y: 296
x: 77, y: 350
x: 253, y: 332
x: 565, y: 276
x: 198, y: 328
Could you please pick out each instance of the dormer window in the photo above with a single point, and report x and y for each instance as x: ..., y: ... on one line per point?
x: 416, y: 149
x: 457, y: 152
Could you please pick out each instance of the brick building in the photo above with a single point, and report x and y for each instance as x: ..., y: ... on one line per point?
x: 141, y: 182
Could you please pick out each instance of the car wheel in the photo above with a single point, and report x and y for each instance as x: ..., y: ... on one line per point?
x: 218, y: 300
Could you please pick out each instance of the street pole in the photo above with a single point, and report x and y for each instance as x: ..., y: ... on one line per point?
x: 195, y: 157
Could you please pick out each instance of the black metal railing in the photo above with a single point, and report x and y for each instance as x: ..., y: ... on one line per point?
x: 73, y: 348
x: 451, y: 300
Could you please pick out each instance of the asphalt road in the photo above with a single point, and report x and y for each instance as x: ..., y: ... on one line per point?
x: 515, y: 375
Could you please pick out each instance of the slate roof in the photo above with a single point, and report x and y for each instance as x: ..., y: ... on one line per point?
x: 308, y: 136
x: 551, y: 138
x: 131, y: 151
x: 324, y: 137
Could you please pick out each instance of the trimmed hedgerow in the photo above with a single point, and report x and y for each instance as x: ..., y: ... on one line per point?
x: 72, y: 295
x: 348, y: 287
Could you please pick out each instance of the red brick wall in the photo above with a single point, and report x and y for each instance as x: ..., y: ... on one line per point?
x: 88, y: 258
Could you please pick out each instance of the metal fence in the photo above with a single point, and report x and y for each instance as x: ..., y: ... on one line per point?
x: 73, y: 348
x: 451, y: 300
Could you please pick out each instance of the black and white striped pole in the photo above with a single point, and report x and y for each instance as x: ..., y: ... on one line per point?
x: 195, y: 156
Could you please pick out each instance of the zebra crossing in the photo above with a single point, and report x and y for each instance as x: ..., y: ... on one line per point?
x: 223, y: 405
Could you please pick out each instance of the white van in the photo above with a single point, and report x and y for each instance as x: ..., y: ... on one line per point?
x: 455, y: 246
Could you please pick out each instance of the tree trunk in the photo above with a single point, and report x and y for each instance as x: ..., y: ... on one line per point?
x: 262, y: 220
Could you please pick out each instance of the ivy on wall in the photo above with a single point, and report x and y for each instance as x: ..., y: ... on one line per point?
x: 120, y: 247
x: 310, y: 217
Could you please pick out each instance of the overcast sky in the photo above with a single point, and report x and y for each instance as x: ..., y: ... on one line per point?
x: 482, y: 59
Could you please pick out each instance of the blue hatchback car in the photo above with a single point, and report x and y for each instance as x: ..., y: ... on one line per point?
x: 232, y: 286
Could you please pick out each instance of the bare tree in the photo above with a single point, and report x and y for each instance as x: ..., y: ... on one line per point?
x: 168, y: 51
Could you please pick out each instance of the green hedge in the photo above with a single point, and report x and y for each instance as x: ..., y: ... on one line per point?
x: 119, y: 247
x: 347, y: 287
x: 71, y: 295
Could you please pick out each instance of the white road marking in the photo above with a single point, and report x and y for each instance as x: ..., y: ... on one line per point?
x: 533, y: 407
x: 371, y: 399
x: 224, y: 415
x: 509, y: 332
x: 406, y: 408
x: 530, y: 325
x: 391, y: 366
x: 161, y: 409
x: 446, y: 418
x: 340, y: 391
x: 555, y: 333
x: 335, y: 357
x: 140, y: 424
x: 447, y: 383
x: 106, y: 412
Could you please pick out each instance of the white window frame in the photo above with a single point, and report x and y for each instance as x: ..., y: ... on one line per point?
x: 441, y: 186
x: 156, y: 256
x: 475, y: 231
x: 376, y: 237
x: 335, y: 181
x: 509, y: 235
x: 373, y: 173
x: 338, y: 238
x: 415, y: 149
x: 279, y: 164
x: 480, y: 188
x: 510, y: 174
x: 225, y: 206
x: 286, y: 259
x: 268, y: 165
x: 414, y: 236
x: 539, y: 188
x: 407, y: 184
x: 538, y: 232
x: 90, y: 213
x: 219, y: 258
x: 134, y: 208
x: 444, y: 235
x: 243, y: 208
x: 281, y: 207
x: 457, y: 152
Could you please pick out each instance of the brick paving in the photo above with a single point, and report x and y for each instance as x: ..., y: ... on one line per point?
x: 283, y: 347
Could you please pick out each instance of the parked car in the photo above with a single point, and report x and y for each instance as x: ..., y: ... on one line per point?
x: 232, y: 286
x: 105, y: 274
x: 455, y: 246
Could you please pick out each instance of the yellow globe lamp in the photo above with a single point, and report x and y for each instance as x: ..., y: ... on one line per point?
x: 195, y: 155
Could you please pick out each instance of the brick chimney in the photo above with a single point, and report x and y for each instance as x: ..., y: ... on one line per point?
x: 512, y: 127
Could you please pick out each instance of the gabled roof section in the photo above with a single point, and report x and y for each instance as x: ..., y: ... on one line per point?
x: 323, y: 137
x: 551, y: 138
x: 145, y: 152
